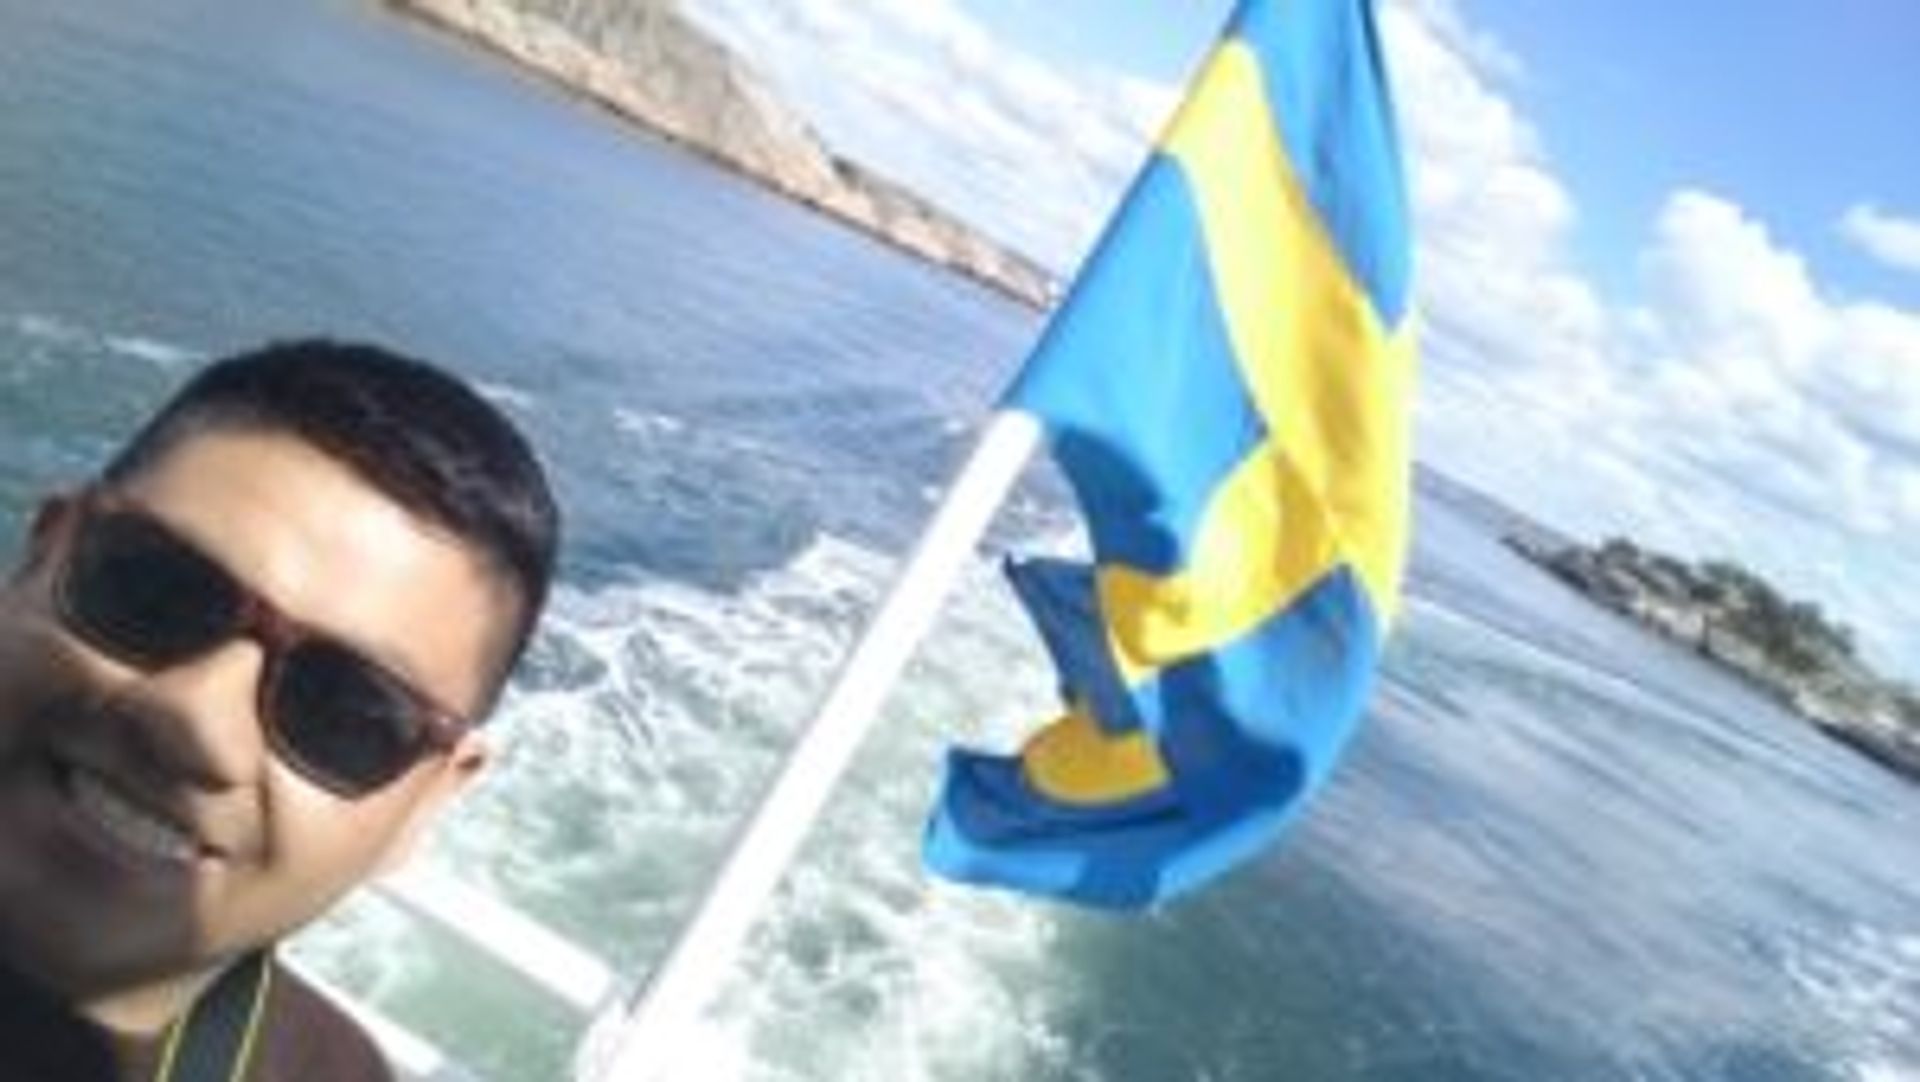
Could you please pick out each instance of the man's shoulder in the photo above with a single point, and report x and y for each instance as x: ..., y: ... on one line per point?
x: 305, y: 1036
x: 41, y: 1040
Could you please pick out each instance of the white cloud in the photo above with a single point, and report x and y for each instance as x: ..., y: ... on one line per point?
x: 1735, y: 408
x: 1487, y: 54
x: 923, y: 91
x: 1491, y: 220
x: 1731, y: 296
x: 1890, y: 238
x: 1828, y: 389
x: 1873, y: 378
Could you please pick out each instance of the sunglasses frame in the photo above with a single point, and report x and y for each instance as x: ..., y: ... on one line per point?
x: 257, y: 619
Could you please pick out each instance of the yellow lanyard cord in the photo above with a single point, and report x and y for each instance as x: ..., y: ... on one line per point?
x: 214, y: 1041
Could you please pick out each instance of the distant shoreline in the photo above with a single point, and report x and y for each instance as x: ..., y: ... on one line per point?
x: 1732, y: 618
x: 647, y: 64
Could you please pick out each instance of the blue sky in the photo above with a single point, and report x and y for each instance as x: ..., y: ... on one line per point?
x: 1162, y: 45
x: 1668, y: 254
x: 1803, y: 106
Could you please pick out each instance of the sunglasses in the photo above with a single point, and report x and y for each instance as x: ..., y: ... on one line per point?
x: 138, y: 592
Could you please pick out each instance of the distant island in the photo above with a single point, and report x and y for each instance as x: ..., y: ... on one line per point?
x: 1788, y: 648
x: 645, y: 61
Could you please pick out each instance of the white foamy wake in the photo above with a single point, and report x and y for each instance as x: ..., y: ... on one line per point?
x: 646, y: 424
x: 1866, y: 983
x: 505, y: 395
x: 36, y: 327
x: 151, y: 350
x: 645, y: 725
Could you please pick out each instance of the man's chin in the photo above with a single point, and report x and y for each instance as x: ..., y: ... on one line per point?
x: 83, y: 965
x: 66, y: 920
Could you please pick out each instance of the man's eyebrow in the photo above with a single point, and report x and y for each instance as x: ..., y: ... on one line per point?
x: 388, y: 662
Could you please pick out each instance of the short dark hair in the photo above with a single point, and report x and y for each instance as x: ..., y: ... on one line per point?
x: 415, y: 433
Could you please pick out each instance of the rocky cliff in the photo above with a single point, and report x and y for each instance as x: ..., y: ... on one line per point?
x: 1788, y: 648
x: 648, y: 63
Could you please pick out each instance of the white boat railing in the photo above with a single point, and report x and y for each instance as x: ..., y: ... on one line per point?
x: 488, y: 926
x: 496, y: 929
x: 412, y: 1056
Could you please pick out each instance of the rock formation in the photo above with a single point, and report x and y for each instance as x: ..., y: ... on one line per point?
x: 645, y: 61
x: 1788, y: 648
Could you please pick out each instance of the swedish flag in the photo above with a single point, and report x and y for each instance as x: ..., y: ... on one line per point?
x: 1226, y: 387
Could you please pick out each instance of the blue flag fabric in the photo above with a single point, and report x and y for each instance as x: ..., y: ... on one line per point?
x: 1226, y: 388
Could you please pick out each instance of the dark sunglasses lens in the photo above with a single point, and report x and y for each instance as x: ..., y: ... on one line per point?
x: 342, y: 722
x: 137, y: 591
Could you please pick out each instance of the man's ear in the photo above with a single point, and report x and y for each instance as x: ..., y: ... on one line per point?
x: 462, y: 764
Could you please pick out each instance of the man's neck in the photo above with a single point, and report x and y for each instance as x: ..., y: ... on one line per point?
x: 146, y: 1010
x: 57, y: 1033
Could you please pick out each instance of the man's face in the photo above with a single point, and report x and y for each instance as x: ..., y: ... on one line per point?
x: 96, y: 893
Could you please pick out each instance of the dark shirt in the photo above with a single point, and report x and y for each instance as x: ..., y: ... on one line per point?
x: 303, y: 1038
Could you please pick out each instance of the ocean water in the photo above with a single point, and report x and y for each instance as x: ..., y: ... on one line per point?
x: 1559, y: 849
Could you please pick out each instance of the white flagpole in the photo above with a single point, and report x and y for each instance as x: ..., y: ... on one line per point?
x: 662, y: 1016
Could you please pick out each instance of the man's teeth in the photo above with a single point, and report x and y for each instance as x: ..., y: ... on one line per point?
x: 129, y: 824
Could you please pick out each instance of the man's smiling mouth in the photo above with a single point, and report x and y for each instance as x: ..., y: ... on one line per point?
x: 124, y: 822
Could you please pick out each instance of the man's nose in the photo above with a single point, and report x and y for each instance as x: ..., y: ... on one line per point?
x: 202, y: 716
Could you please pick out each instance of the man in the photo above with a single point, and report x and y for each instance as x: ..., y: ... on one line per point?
x: 239, y: 673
